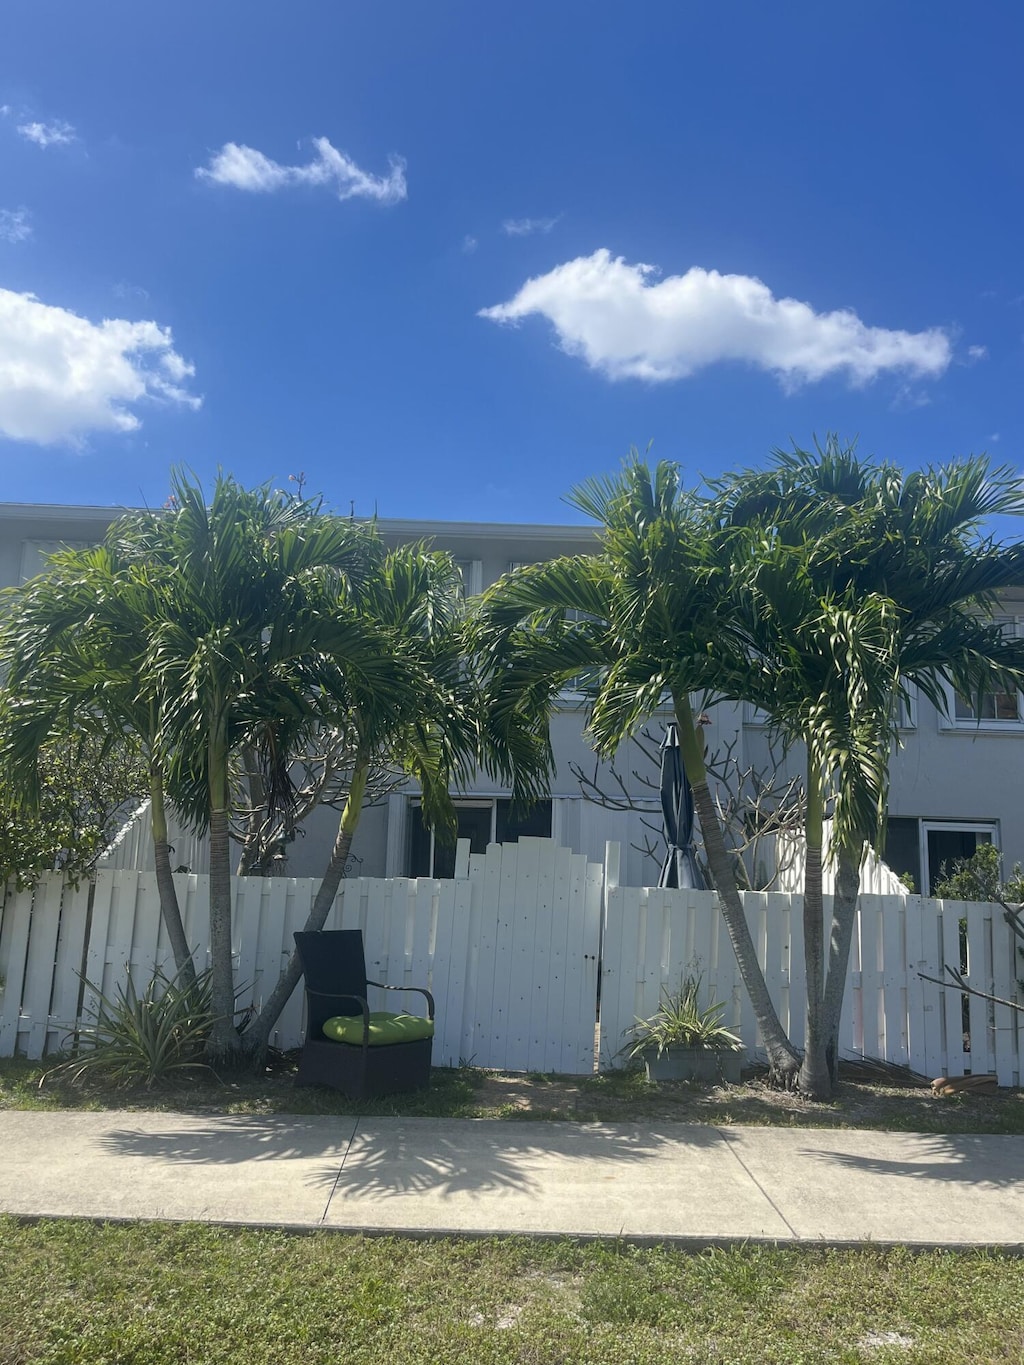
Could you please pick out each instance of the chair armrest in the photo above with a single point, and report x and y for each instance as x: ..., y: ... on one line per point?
x: 420, y: 990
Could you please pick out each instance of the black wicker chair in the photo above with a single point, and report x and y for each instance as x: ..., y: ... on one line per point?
x: 334, y: 967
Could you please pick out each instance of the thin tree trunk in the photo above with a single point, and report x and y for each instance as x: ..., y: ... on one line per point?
x: 251, y: 859
x: 223, y: 1046
x: 258, y: 1035
x: 844, y: 917
x: 783, y: 1060
x: 169, y: 907
x: 815, y: 1079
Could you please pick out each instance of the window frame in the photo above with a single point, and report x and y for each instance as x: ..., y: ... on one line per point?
x: 992, y: 725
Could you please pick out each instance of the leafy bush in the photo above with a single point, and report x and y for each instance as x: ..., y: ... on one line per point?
x: 978, y: 878
x: 141, y: 1039
x: 88, y: 787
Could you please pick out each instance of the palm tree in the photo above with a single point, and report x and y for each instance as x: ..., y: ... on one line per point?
x: 853, y: 582
x: 238, y: 647
x: 819, y: 590
x: 226, y: 634
x: 429, y: 729
x: 73, y: 643
x: 651, y: 618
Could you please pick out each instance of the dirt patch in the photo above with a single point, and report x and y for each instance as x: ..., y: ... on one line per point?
x: 897, y: 1100
x: 867, y: 1097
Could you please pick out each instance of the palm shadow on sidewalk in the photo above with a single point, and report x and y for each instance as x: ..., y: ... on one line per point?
x: 374, y: 1158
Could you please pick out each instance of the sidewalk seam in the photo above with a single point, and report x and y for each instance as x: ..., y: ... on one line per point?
x: 724, y: 1132
x: 341, y: 1167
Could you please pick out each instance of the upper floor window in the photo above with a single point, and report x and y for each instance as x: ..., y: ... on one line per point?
x: 472, y: 571
x: 997, y: 710
x: 35, y: 554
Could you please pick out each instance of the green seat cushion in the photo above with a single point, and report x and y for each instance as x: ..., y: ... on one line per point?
x: 384, y: 1028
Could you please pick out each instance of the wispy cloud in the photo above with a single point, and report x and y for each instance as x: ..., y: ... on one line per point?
x: 976, y: 353
x: 625, y: 324
x: 62, y: 376
x: 525, y: 227
x: 15, y: 225
x: 469, y: 244
x: 245, y: 168
x: 56, y: 134
x: 123, y: 290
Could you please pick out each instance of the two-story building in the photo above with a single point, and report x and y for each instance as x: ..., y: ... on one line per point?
x: 956, y: 780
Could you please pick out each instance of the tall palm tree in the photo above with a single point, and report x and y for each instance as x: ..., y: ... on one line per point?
x: 73, y: 645
x: 232, y: 630
x: 238, y: 646
x: 853, y: 582
x: 651, y: 617
x: 819, y: 590
x: 430, y: 731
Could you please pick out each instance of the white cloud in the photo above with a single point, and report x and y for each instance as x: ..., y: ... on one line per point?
x: 56, y: 134
x: 15, y: 225
x: 524, y: 227
x: 977, y: 353
x: 244, y: 168
x: 62, y: 376
x: 469, y: 244
x: 626, y: 325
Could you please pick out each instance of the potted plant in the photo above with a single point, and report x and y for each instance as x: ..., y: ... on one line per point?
x: 683, y: 1042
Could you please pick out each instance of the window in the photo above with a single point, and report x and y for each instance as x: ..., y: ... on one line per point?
x: 994, y: 706
x: 35, y: 554
x: 921, y: 849
x: 482, y: 822
x: 472, y: 571
x: 992, y: 710
x: 906, y: 711
x: 943, y: 843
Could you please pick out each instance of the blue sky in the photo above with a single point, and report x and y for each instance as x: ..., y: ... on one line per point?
x: 449, y: 259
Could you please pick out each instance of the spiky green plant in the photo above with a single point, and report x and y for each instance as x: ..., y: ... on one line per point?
x: 140, y: 1039
x: 681, y: 1022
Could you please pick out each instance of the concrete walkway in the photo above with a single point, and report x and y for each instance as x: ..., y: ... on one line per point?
x: 667, y: 1180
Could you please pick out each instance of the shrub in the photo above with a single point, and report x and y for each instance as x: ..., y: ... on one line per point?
x: 141, y: 1039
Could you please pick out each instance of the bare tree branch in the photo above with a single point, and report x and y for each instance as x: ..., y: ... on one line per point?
x: 960, y: 984
x: 755, y: 803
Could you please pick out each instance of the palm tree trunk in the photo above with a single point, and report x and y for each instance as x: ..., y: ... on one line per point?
x: 169, y: 908
x: 815, y: 1079
x: 844, y: 917
x: 258, y: 1035
x: 783, y: 1061
x: 223, y: 1045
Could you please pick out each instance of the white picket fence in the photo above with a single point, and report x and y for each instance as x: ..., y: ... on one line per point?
x: 512, y: 948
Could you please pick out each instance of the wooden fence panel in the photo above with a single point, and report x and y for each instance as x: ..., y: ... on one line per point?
x: 40, y: 956
x: 67, y: 982
x: 511, y: 951
x: 1008, y: 1024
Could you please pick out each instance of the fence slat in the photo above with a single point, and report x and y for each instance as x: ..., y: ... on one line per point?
x: 13, y: 954
x: 67, y: 984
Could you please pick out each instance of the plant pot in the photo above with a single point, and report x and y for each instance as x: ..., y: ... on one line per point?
x: 695, y: 1064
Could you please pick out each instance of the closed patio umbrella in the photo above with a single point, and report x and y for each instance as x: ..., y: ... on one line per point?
x: 680, y: 867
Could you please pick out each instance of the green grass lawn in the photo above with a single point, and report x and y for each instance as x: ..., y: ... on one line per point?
x: 77, y: 1293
